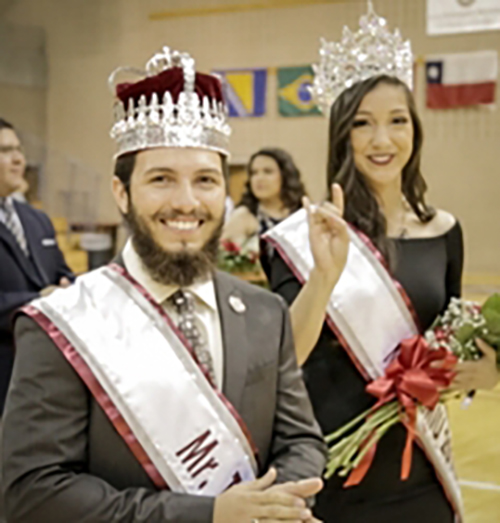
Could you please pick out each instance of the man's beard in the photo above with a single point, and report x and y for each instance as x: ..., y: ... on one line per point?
x: 172, y: 268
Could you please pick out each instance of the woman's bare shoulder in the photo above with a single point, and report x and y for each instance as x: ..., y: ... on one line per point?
x: 241, y: 223
x: 442, y: 222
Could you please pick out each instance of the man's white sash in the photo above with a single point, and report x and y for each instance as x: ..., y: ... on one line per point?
x: 370, y: 314
x: 184, y: 432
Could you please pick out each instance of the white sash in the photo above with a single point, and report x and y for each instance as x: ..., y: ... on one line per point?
x: 184, y: 432
x: 370, y: 314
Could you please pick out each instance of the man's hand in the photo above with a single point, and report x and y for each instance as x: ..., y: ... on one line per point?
x: 259, y: 501
x: 328, y: 236
x: 48, y: 290
x: 305, y: 488
x: 63, y: 283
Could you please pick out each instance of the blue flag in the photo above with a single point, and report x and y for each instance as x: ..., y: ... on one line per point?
x: 245, y: 91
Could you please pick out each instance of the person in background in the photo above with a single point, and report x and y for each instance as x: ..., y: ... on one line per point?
x: 274, y: 191
x: 31, y: 264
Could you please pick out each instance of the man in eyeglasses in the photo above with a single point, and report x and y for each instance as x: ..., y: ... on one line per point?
x: 31, y: 264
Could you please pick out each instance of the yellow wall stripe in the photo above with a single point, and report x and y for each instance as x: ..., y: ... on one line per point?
x: 235, y: 8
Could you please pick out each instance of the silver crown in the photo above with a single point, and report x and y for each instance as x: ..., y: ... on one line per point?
x: 371, y: 51
x: 190, y: 122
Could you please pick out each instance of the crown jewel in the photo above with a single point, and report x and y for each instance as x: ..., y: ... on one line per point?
x: 372, y: 51
x: 168, y: 109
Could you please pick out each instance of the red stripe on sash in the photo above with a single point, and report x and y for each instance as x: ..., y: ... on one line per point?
x: 86, y: 375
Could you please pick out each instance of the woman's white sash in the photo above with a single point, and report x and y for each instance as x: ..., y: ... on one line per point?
x: 140, y: 369
x: 370, y: 314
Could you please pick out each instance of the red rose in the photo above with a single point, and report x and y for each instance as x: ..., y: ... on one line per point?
x: 230, y: 246
x: 442, y: 334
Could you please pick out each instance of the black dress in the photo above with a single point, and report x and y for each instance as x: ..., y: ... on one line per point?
x: 430, y: 271
x: 266, y: 223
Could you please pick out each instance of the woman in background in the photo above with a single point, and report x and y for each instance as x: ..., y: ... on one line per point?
x: 274, y: 191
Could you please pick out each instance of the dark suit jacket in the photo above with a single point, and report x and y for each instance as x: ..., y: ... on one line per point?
x: 22, y: 278
x: 65, y: 463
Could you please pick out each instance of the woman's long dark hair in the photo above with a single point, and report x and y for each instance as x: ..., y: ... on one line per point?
x: 292, y: 188
x: 361, y: 207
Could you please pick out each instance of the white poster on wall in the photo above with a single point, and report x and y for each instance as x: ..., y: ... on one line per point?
x: 462, y: 16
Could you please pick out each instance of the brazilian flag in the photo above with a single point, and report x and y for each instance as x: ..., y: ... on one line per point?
x: 294, y: 97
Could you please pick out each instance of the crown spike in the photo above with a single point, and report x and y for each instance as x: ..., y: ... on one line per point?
x: 215, y: 109
x: 168, y: 107
x: 207, y: 117
x: 120, y: 124
x: 142, y: 110
x: 154, y: 110
x: 131, y: 114
x: 119, y: 112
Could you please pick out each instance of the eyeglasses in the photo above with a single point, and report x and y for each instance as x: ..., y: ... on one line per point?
x: 9, y: 149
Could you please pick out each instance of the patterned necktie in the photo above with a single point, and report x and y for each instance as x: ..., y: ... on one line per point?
x: 13, y: 224
x: 185, y: 306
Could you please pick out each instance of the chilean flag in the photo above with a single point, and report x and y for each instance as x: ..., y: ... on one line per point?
x: 458, y: 80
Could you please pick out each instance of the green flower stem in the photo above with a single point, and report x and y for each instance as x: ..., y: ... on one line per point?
x: 354, y: 448
x: 341, y: 454
x: 348, y: 446
x: 379, y: 433
x: 367, y: 414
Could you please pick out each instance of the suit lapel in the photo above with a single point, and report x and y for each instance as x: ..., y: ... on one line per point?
x: 34, y: 244
x: 233, y: 339
x: 23, y: 262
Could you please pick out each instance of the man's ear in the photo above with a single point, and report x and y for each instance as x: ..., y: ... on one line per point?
x: 120, y: 194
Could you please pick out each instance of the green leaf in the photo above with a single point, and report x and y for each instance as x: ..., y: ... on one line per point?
x: 492, y: 318
x: 492, y: 303
x: 464, y: 333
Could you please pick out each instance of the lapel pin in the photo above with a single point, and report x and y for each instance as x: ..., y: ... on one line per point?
x: 237, y: 304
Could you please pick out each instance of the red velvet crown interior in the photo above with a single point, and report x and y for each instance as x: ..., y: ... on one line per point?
x: 171, y: 80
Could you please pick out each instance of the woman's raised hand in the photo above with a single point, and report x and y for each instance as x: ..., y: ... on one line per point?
x: 328, y: 235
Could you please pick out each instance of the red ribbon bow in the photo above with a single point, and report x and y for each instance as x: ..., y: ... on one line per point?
x: 413, y: 379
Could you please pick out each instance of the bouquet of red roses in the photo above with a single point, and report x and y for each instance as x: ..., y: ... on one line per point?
x: 418, y: 378
x: 236, y: 259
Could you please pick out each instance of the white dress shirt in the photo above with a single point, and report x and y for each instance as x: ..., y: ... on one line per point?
x: 206, y: 311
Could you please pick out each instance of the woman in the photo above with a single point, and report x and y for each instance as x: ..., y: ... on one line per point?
x: 274, y: 190
x: 374, y: 156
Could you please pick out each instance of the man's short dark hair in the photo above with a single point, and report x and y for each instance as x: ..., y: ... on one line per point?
x: 4, y: 124
x: 124, y: 167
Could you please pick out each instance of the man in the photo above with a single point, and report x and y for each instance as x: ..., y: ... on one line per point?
x: 157, y: 389
x: 31, y: 264
x: 30, y: 260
